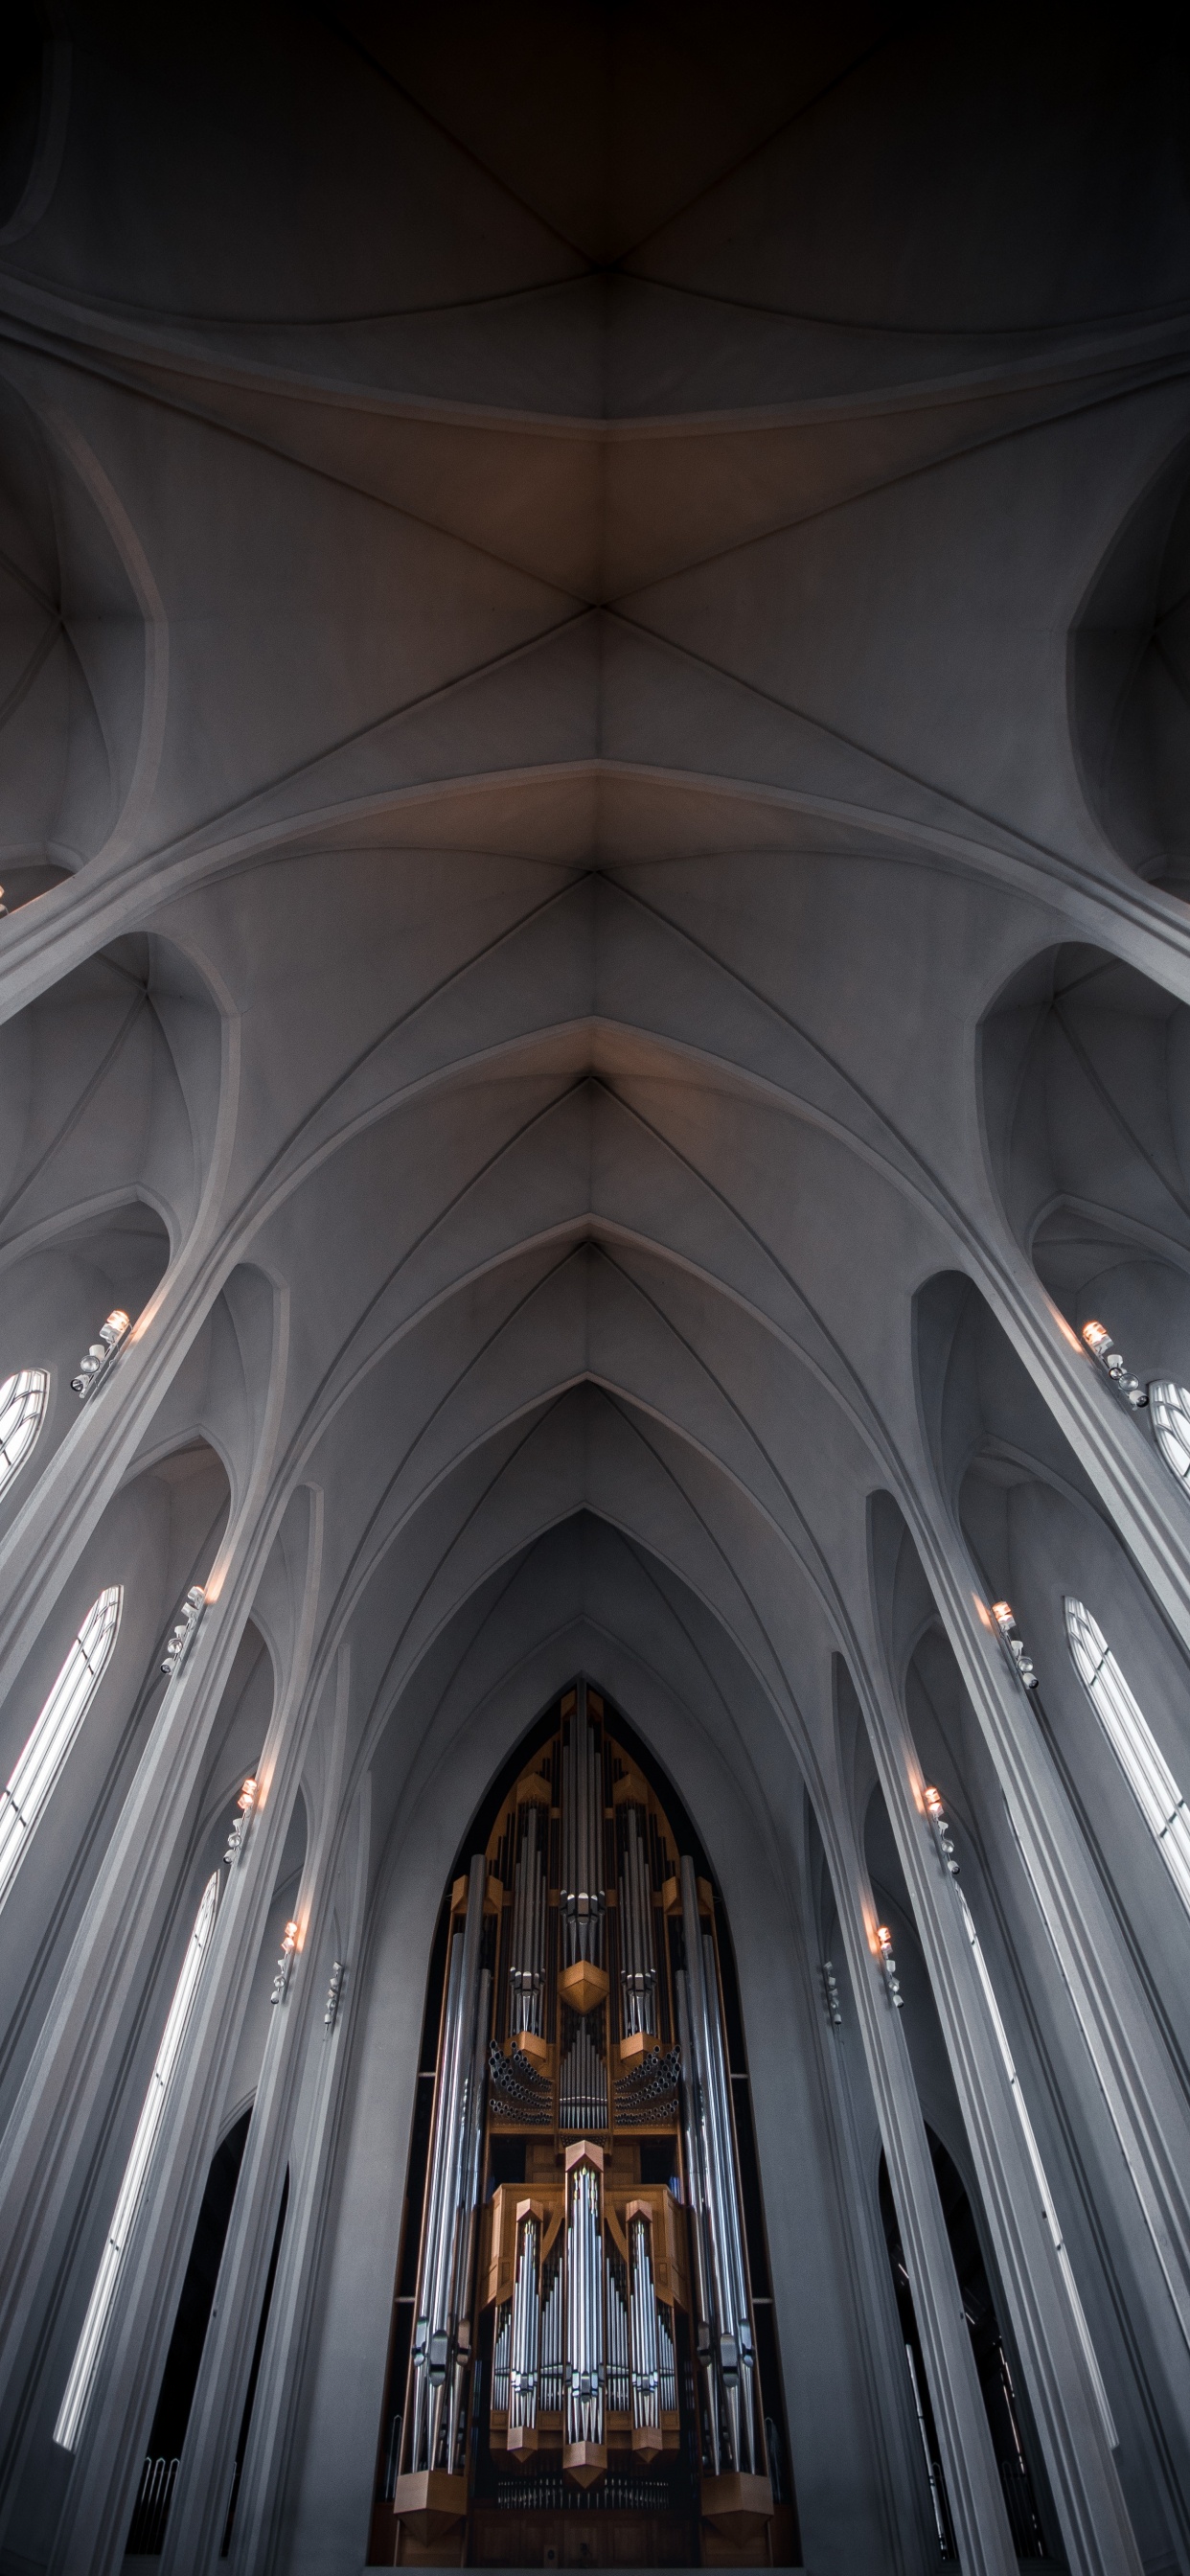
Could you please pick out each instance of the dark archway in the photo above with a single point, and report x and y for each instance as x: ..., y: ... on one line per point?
x: 178, y: 2380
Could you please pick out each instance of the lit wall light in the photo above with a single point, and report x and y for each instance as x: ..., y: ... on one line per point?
x: 98, y: 1357
x: 1021, y: 1661
x: 942, y: 1834
x: 245, y: 1803
x: 1114, y: 1366
x: 888, y: 1966
x: 289, y: 1942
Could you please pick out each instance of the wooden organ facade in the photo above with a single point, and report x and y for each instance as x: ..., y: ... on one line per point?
x: 575, y: 2376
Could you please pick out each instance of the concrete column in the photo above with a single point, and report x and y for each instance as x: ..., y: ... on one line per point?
x: 44, y: 1541
x: 103, y: 2480
x: 1147, y: 2108
x: 1095, y: 2527
x: 1150, y: 1515
x: 896, y: 2444
x: 292, y: 2124
x: 264, y: 2480
x: 978, y: 2512
x: 45, y: 2150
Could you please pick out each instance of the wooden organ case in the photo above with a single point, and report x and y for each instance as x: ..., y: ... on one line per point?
x: 581, y: 2386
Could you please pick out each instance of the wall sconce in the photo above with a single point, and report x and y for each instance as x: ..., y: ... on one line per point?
x: 183, y: 1633
x: 333, y: 1992
x: 1112, y: 1362
x: 1022, y: 1662
x: 97, y: 1359
x: 889, y: 1966
x: 235, y: 1840
x: 942, y: 1836
x: 289, y: 1940
x: 830, y: 1988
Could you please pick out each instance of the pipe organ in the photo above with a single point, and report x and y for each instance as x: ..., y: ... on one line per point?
x: 582, y: 2331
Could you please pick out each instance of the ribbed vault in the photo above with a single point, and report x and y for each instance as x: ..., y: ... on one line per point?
x: 591, y: 716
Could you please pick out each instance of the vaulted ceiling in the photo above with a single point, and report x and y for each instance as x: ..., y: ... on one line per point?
x: 540, y: 551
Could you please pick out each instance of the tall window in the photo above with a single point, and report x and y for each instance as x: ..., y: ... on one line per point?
x: 1169, y: 1413
x: 21, y: 1802
x: 95, y: 2324
x: 1034, y: 2154
x: 22, y: 1406
x: 1132, y: 1741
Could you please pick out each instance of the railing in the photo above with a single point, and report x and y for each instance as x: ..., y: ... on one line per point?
x: 151, y: 2510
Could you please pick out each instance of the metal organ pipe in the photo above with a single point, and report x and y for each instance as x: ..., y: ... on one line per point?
x: 526, y: 2319
x: 526, y: 1975
x: 583, y: 1897
x: 437, y: 2366
x: 697, y: 2187
x: 584, y: 2310
x: 731, y: 2318
x: 638, y: 1971
x: 618, y: 2368
x: 582, y: 2097
x: 464, y: 2265
x: 646, y: 2373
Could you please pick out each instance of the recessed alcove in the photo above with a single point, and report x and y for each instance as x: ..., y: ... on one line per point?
x: 56, y: 1291
x: 1085, y: 1076
x: 110, y: 1086
x: 1130, y: 683
x: 1084, y: 1067
x: 72, y: 638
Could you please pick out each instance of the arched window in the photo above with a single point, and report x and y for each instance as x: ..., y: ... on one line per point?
x: 21, y: 1802
x: 95, y: 2323
x: 1033, y: 2151
x: 22, y: 1408
x: 1132, y: 1741
x: 1169, y: 1413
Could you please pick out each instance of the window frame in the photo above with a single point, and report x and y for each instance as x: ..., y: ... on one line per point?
x: 39, y: 1765
x: 1132, y: 1740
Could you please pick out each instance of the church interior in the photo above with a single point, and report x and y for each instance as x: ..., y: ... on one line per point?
x: 595, y: 1317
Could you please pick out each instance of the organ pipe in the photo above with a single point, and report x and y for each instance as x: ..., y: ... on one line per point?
x: 582, y: 2093
x: 638, y: 1954
x: 583, y: 1896
x: 551, y: 2346
x: 526, y: 1975
x: 730, y: 2360
x: 646, y: 2374
x: 436, y: 2362
x: 585, y: 2370
x: 695, y: 2186
x: 618, y: 2371
x: 526, y: 2327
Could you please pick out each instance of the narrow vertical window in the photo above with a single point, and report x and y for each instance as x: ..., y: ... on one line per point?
x: 22, y: 1407
x: 1132, y: 1741
x: 1169, y: 1413
x: 21, y: 1802
x: 95, y: 2324
x: 1034, y: 2154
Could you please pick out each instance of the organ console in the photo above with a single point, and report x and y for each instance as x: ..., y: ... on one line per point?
x: 581, y: 2339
